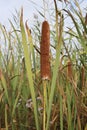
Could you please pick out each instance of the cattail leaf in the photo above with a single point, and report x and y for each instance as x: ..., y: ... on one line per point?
x: 28, y: 68
x: 31, y: 45
x: 55, y: 71
x: 4, y: 86
x: 15, y: 31
x: 40, y: 13
x: 81, y: 39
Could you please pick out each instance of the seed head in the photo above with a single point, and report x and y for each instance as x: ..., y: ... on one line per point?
x: 69, y: 70
x: 45, y: 49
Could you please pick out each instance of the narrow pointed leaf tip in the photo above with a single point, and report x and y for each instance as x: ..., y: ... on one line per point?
x: 45, y: 49
x: 21, y: 16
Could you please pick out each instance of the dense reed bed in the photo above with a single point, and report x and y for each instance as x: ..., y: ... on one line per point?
x: 43, y: 72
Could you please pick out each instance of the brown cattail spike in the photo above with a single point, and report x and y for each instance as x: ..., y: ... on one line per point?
x: 45, y: 49
x: 69, y: 70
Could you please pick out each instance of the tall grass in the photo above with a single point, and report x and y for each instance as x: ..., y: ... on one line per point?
x: 40, y: 87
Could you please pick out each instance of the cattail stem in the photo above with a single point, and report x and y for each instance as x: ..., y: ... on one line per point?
x: 45, y: 65
x: 44, y: 103
x: 82, y: 78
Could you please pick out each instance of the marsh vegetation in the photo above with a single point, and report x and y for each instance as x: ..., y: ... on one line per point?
x: 43, y: 71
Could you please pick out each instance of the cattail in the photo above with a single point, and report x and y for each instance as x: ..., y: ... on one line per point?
x: 45, y: 49
x: 69, y: 70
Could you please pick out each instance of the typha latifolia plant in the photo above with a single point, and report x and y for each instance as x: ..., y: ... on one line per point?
x: 64, y: 107
x: 45, y: 65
